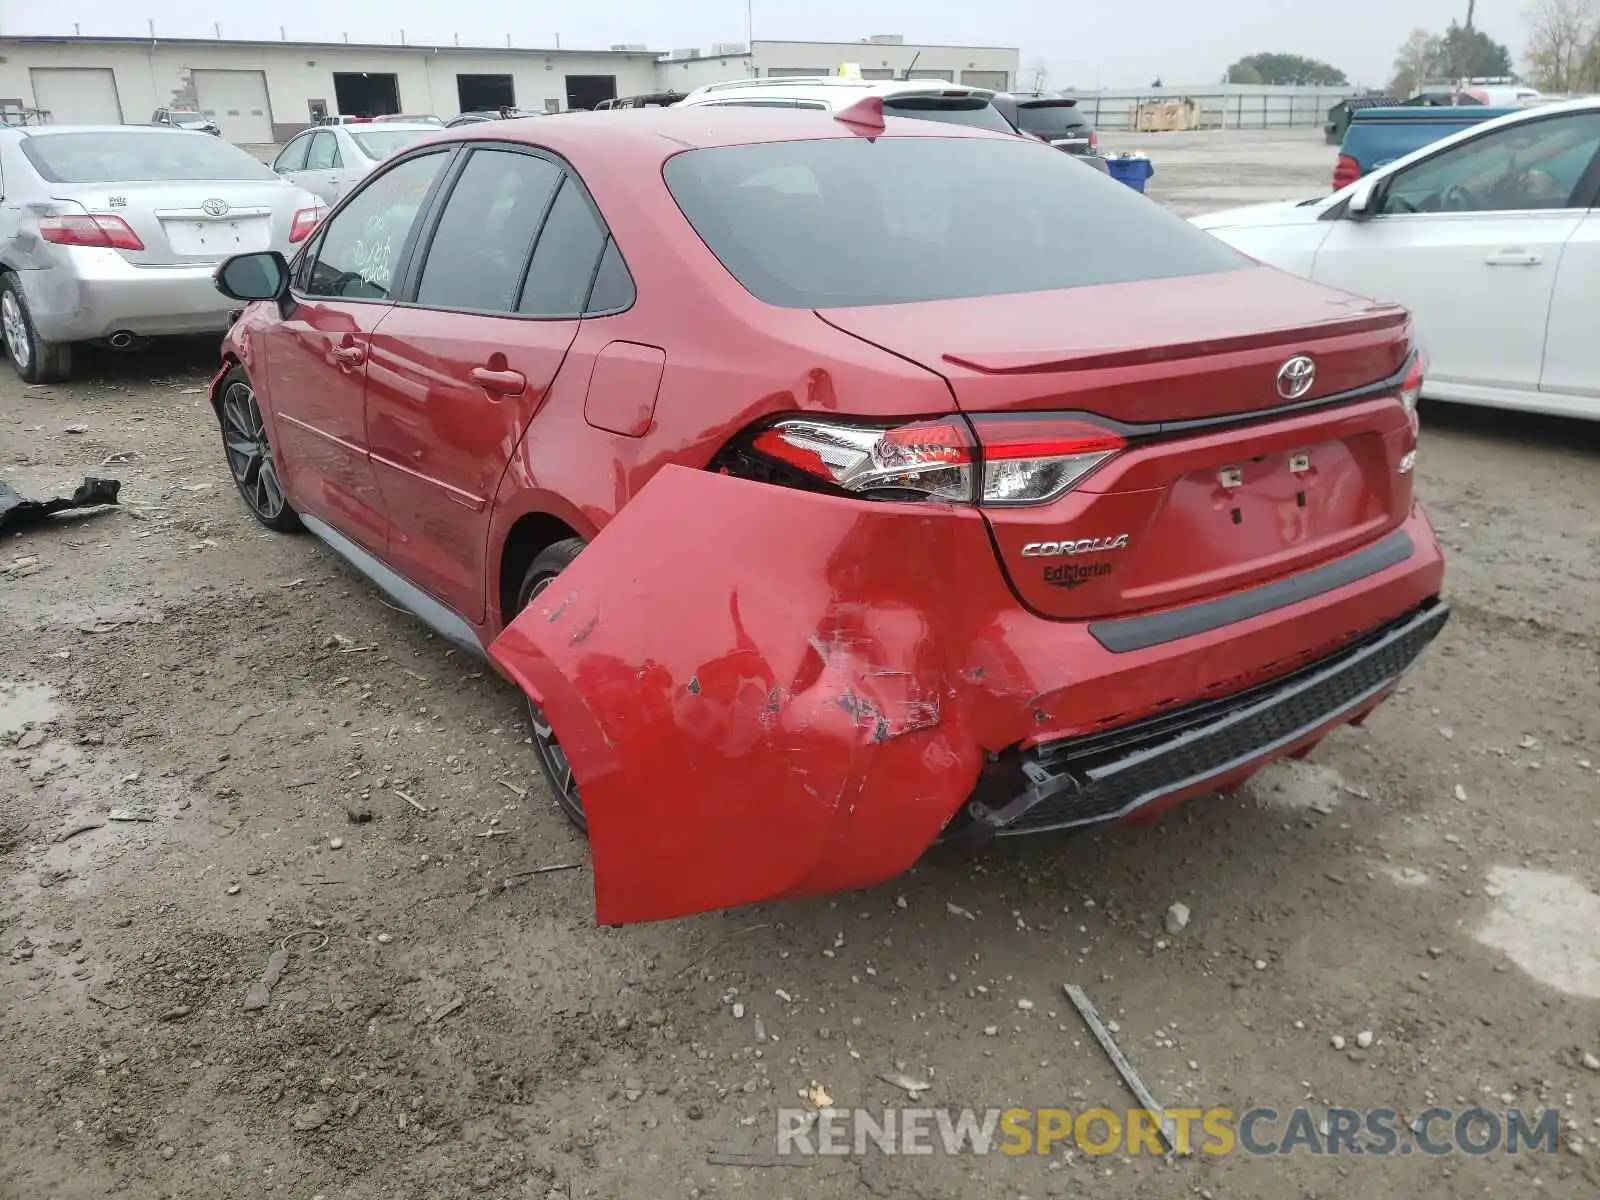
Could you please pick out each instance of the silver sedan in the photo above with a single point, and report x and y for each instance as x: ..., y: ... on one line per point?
x: 329, y: 160
x: 112, y: 233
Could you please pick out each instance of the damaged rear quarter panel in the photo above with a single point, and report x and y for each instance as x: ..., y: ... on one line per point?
x: 754, y: 687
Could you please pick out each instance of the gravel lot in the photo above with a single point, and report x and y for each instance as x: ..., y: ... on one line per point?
x: 1431, y: 879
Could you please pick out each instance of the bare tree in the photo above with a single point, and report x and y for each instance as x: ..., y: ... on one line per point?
x: 1563, y: 52
x: 1417, y: 58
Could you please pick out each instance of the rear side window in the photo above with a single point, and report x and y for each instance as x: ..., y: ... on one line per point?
x: 127, y: 157
x: 848, y: 221
x: 324, y: 154
x: 486, y: 232
x: 566, y: 258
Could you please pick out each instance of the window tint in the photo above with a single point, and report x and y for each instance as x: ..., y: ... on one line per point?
x: 978, y: 113
x: 126, y: 156
x: 1052, y: 120
x: 847, y: 221
x: 486, y: 233
x: 564, y: 262
x: 324, y: 154
x: 1536, y: 164
x: 361, y: 245
x: 613, y: 286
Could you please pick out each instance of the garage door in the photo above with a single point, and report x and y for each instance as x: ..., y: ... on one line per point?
x: 237, y: 102
x: 77, y: 95
x: 985, y: 79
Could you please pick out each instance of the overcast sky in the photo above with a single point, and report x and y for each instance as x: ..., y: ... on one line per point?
x: 1122, y: 42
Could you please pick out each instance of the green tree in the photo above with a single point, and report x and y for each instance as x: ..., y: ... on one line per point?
x: 1285, y: 69
x: 1465, y: 53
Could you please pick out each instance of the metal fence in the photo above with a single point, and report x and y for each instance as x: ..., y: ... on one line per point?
x: 1255, y: 107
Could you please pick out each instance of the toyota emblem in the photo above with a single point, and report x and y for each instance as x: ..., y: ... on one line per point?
x: 219, y: 208
x: 1296, y: 376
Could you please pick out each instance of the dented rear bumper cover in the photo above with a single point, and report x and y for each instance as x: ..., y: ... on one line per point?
x: 766, y: 692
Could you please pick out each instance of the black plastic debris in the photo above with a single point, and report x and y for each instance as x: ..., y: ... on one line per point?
x: 17, y: 514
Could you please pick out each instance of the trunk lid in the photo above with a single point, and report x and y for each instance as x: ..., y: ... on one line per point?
x: 191, y: 223
x: 1204, y: 499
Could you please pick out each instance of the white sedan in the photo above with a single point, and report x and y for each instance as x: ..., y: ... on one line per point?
x: 329, y: 160
x: 1490, y: 236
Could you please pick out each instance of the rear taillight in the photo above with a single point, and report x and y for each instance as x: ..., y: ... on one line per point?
x: 1094, y: 139
x: 1411, y: 386
x: 1345, y: 172
x: 101, y: 230
x: 996, y: 460
x: 305, y: 223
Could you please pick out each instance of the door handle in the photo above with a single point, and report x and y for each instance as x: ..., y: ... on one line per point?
x: 503, y: 383
x: 1514, y: 258
x: 349, y: 355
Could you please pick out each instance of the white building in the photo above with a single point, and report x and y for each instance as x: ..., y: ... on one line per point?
x: 883, y: 57
x: 263, y: 91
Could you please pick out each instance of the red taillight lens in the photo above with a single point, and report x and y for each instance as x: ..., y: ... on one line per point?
x: 305, y: 223
x: 1015, y: 460
x: 930, y: 460
x: 1345, y: 172
x: 1033, y: 459
x: 102, y: 230
x: 1411, y: 386
x: 1094, y: 139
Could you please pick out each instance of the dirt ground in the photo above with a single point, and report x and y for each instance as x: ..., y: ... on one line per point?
x: 312, y: 772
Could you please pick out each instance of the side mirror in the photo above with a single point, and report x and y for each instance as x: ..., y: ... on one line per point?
x: 263, y: 275
x: 1363, y: 201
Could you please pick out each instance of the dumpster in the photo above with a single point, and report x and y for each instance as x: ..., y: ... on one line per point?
x: 1339, y: 115
x: 1132, y: 169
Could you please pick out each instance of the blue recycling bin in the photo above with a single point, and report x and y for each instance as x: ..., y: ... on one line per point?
x: 1132, y: 169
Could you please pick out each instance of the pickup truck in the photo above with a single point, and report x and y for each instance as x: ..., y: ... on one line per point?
x: 1380, y: 135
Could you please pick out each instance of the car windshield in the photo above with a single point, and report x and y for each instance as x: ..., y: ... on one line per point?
x: 1051, y: 120
x: 378, y: 144
x: 853, y: 221
x: 122, y: 156
x: 952, y: 110
x: 189, y: 118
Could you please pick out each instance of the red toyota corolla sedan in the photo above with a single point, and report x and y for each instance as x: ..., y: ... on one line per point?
x: 832, y: 486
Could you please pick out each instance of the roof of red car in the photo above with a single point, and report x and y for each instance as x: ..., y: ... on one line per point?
x: 663, y: 132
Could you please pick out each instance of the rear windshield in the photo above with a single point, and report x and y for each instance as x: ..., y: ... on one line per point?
x: 1051, y: 120
x: 190, y: 118
x: 952, y: 110
x: 848, y: 221
x: 380, y: 143
x: 126, y: 157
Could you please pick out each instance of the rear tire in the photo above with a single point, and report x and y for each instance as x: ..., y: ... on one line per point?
x: 549, y: 563
x: 34, y: 359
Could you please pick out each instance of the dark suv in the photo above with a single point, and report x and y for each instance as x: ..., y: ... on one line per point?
x: 1054, y: 119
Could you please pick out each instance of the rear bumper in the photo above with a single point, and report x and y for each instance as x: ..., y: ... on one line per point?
x: 93, y: 293
x: 765, y: 692
x: 1112, y: 775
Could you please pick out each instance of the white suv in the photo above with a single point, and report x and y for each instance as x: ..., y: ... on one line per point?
x: 925, y: 99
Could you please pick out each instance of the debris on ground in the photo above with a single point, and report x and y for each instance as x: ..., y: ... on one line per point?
x: 1364, y: 1038
x: 1177, y: 919
x: 72, y: 831
x: 444, y: 1012
x: 127, y: 814
x: 1136, y: 1085
x: 911, y: 1087
x: 955, y: 910
x: 259, y: 992
x: 817, y: 1096
x: 17, y: 514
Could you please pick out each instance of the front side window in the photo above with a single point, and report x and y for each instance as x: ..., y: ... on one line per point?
x: 362, y: 245
x: 1529, y: 165
x: 293, y: 156
x: 852, y: 221
x: 486, y: 232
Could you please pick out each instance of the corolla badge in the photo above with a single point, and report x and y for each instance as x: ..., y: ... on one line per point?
x: 1296, y: 376
x: 215, y: 208
x: 1080, y: 546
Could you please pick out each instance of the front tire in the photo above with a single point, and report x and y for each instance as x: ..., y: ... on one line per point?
x: 33, y: 358
x: 249, y: 454
x: 541, y: 573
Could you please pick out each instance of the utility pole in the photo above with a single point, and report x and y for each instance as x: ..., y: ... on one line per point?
x: 1472, y: 7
